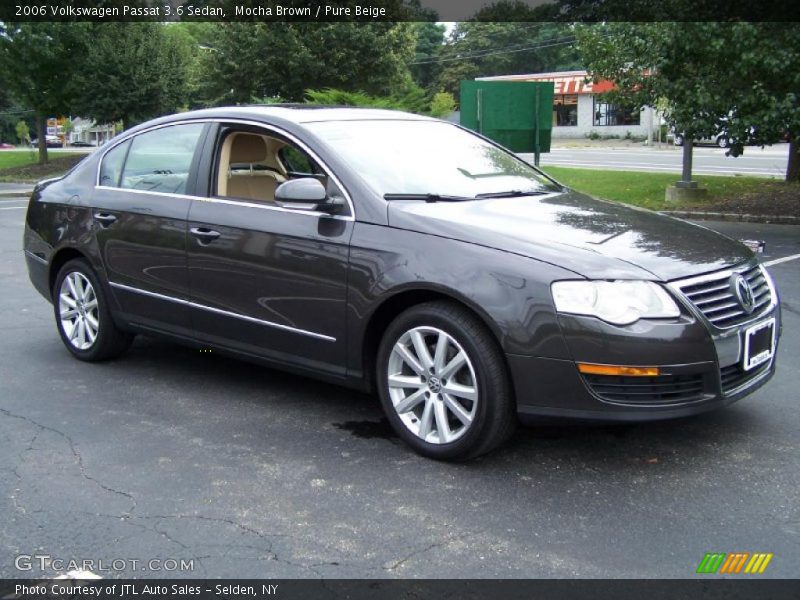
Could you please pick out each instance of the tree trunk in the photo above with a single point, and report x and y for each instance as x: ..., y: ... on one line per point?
x: 686, y: 171
x: 793, y: 166
x: 41, y: 133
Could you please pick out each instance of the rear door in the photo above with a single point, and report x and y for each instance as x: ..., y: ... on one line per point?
x: 266, y: 280
x: 141, y: 204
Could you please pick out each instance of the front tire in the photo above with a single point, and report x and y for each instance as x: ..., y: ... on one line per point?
x: 443, y: 382
x: 82, y: 315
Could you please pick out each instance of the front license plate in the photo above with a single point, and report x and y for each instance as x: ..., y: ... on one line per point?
x: 759, y: 344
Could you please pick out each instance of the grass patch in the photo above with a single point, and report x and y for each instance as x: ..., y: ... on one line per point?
x: 647, y: 189
x: 23, y: 167
x: 17, y: 158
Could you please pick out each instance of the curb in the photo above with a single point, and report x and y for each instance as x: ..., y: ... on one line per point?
x: 16, y: 194
x: 745, y: 218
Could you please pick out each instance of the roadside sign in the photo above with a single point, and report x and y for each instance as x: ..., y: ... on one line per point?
x: 518, y: 115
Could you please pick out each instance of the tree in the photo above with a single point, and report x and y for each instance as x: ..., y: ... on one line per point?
x: 37, y: 61
x: 429, y: 44
x: 23, y: 133
x: 479, y: 48
x: 256, y: 60
x: 133, y: 72
x: 742, y: 78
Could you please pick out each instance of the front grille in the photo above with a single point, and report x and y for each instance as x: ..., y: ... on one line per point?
x: 735, y: 376
x: 713, y: 296
x: 647, y: 390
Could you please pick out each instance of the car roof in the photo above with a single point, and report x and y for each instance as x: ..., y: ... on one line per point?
x: 305, y: 113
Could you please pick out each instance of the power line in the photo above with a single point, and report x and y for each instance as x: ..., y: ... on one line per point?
x: 508, y: 50
x: 16, y: 112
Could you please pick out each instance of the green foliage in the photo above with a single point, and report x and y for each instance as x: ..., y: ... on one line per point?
x: 246, y: 60
x: 133, y: 72
x: 740, y: 77
x: 442, y: 105
x: 36, y: 64
x: 23, y: 132
x: 485, y: 48
x: 428, y: 48
x: 334, y: 97
x: 413, y: 99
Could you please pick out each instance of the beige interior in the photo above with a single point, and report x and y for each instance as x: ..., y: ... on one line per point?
x: 238, y: 177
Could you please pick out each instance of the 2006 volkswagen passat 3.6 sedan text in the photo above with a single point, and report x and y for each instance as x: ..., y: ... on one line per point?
x: 403, y: 255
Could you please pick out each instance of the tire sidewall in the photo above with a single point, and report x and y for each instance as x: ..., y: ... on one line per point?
x: 103, y: 316
x: 431, y: 318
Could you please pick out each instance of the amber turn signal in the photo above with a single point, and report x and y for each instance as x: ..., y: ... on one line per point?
x: 591, y: 369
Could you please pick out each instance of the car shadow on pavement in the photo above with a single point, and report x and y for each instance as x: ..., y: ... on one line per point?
x: 614, y: 447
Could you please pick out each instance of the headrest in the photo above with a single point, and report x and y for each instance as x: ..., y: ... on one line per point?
x: 248, y: 148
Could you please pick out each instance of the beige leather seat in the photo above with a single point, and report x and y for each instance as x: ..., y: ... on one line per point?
x: 246, y: 149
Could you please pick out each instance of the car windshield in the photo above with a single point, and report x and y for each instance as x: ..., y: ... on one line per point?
x: 429, y: 157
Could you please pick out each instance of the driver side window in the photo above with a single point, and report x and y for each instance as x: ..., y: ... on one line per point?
x: 251, y: 165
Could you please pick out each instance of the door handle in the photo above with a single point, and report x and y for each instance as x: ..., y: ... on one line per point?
x: 105, y: 219
x: 204, y: 235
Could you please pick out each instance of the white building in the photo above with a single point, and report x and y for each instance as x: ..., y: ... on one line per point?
x: 89, y: 132
x: 579, y: 110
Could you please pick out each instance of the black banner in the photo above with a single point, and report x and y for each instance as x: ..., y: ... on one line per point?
x: 381, y: 589
x: 399, y: 10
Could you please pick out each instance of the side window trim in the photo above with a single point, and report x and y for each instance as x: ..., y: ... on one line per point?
x: 116, y: 184
x: 210, y: 147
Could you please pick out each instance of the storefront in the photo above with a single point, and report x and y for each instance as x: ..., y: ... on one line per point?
x: 579, y: 108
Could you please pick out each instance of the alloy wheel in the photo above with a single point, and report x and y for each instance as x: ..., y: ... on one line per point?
x: 432, y: 385
x: 78, y: 311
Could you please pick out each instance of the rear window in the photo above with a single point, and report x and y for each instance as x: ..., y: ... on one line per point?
x: 160, y: 160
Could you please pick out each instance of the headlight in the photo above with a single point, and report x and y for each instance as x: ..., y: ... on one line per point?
x: 617, y: 302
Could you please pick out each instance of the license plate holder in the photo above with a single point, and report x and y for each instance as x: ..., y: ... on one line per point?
x: 759, y: 344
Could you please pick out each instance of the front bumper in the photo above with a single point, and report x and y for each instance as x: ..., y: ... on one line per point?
x: 700, y: 370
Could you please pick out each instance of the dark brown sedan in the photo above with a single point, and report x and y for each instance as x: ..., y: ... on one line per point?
x: 404, y: 255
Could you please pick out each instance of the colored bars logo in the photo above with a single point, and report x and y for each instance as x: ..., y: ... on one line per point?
x: 734, y: 563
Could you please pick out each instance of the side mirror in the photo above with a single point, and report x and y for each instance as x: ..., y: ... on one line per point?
x: 305, y: 194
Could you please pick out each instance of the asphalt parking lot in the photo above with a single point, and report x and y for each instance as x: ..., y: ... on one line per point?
x: 170, y: 453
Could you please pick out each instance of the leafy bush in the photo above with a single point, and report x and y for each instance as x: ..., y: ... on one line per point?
x: 412, y: 99
x: 442, y: 105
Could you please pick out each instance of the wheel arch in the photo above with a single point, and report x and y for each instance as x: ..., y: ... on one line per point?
x: 402, y: 300
x: 59, y: 259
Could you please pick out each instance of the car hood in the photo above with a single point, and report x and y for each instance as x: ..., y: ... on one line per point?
x: 591, y: 237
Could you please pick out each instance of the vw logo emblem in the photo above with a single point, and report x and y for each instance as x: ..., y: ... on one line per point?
x: 743, y: 292
x: 435, y: 385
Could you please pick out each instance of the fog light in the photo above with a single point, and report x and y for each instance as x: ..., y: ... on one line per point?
x: 592, y: 369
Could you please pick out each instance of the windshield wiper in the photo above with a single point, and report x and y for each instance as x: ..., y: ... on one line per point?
x: 428, y: 197
x: 514, y: 193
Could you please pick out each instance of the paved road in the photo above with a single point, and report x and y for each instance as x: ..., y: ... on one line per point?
x: 767, y: 162
x: 170, y: 453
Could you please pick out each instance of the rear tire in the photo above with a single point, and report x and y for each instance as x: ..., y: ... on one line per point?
x: 82, y: 315
x: 443, y: 382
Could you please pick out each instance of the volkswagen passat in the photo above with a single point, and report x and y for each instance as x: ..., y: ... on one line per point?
x: 404, y: 255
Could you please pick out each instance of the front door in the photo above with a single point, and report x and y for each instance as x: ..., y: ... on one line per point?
x: 265, y: 280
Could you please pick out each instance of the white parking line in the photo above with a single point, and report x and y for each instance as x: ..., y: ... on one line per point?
x: 12, y: 207
x: 778, y: 261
